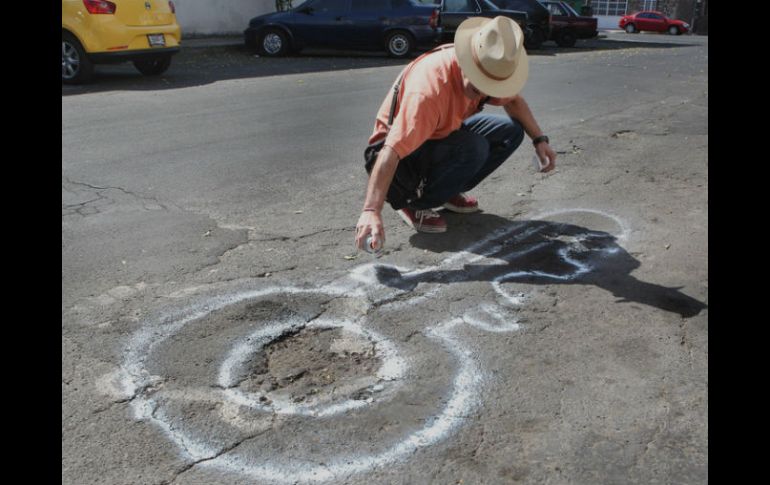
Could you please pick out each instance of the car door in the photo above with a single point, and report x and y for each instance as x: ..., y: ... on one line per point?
x: 369, y: 19
x: 323, y: 23
x: 657, y: 23
x: 559, y: 16
x: 645, y: 22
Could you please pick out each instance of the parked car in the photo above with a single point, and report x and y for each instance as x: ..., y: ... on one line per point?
x: 397, y: 26
x: 653, y: 22
x: 454, y: 12
x: 567, y: 26
x: 144, y: 32
x: 538, y: 19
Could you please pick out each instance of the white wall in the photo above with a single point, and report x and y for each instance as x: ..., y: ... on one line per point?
x: 607, y: 22
x: 219, y: 16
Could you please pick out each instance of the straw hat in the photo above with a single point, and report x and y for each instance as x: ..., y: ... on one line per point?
x: 492, y: 56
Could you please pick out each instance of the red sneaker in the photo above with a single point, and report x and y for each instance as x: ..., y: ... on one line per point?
x: 464, y: 204
x: 424, y: 220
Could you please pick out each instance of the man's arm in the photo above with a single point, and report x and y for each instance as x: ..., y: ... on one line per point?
x: 370, y: 221
x: 415, y: 122
x: 518, y: 109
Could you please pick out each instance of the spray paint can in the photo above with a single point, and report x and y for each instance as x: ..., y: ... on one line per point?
x: 539, y: 166
x: 370, y: 248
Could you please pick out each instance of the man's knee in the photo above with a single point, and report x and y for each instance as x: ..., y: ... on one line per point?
x: 513, y: 136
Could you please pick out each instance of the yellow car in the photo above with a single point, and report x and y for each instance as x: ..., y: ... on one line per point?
x: 100, y: 32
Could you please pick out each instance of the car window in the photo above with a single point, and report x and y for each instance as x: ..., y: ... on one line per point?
x: 570, y: 9
x: 556, y: 9
x: 655, y: 16
x: 460, y: 6
x: 520, y: 5
x: 369, y: 5
x: 487, y: 5
x: 331, y: 5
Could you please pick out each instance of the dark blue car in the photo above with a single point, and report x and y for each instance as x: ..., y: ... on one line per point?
x: 396, y: 26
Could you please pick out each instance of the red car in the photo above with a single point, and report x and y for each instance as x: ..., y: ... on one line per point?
x: 653, y: 22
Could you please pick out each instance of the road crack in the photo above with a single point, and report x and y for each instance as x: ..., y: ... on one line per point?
x: 100, y: 196
x: 186, y: 468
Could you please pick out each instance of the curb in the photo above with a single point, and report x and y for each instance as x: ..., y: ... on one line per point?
x: 207, y: 42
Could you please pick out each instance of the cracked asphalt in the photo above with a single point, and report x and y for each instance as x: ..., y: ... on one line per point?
x: 218, y: 326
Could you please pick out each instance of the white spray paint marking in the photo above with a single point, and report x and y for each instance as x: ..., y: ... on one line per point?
x: 112, y: 385
x: 136, y: 381
x: 464, y: 390
x: 490, y: 319
x: 462, y: 400
x: 253, y: 343
x: 625, y: 231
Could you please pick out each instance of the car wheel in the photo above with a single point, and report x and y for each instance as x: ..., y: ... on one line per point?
x: 399, y: 44
x: 674, y: 30
x: 154, y: 66
x: 631, y: 29
x: 566, y: 38
x: 76, y: 68
x: 273, y: 43
x: 535, y: 39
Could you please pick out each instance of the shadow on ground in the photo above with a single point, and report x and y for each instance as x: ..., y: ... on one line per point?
x: 540, y: 253
x: 196, y: 66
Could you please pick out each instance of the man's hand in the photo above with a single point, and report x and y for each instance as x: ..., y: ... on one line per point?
x: 370, y: 222
x: 544, y: 150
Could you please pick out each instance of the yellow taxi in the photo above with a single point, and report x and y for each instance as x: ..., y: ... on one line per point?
x: 144, y: 32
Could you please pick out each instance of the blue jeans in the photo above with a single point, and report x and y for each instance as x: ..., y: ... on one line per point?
x: 467, y: 156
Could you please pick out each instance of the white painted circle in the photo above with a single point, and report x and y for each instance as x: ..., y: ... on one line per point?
x: 460, y: 400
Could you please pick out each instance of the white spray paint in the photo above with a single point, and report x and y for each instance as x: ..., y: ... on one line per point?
x: 490, y: 319
x: 464, y: 391
x: 622, y: 236
x: 135, y: 380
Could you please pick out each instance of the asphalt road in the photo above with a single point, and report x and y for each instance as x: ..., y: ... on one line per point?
x: 218, y: 326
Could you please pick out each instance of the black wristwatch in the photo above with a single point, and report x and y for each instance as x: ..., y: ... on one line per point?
x: 540, y: 139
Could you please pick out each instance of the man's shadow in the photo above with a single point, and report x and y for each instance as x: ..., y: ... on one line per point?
x: 539, y: 252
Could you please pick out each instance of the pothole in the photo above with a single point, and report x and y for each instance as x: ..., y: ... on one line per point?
x: 318, y: 368
x: 313, y: 364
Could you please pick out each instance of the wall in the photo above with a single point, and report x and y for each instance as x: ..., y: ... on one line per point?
x: 607, y: 22
x: 200, y: 17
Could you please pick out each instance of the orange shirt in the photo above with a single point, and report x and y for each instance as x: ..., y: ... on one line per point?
x: 432, y: 104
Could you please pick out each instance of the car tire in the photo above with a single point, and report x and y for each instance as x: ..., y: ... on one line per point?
x: 399, y: 44
x: 76, y: 67
x: 154, y: 66
x: 566, y: 38
x: 273, y: 43
x: 535, y: 39
x: 674, y: 30
x: 631, y: 29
